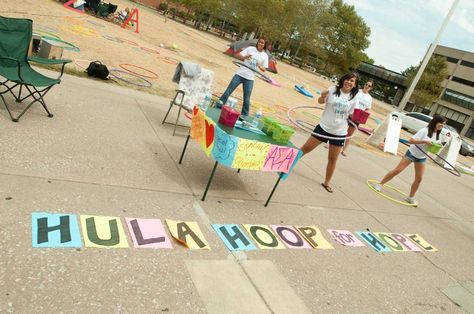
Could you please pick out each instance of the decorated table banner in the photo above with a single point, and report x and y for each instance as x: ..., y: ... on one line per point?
x: 240, y: 153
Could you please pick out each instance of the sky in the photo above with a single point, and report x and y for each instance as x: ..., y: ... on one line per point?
x: 402, y: 30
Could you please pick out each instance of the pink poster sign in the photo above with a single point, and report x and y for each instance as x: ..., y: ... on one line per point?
x: 279, y: 158
x: 148, y: 233
x: 345, y: 237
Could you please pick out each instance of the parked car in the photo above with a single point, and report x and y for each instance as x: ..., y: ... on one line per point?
x: 466, y: 149
x: 414, y: 121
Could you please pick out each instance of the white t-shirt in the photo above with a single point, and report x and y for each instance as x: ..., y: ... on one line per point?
x: 365, y: 100
x: 421, y: 135
x: 337, y: 111
x: 258, y: 57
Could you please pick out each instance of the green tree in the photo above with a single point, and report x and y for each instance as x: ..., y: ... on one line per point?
x: 429, y: 87
x: 343, y: 38
x: 367, y: 59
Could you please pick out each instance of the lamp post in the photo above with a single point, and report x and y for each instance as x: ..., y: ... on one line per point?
x: 427, y: 57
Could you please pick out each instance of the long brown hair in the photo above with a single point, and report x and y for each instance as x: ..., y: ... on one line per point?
x: 340, y: 84
x: 432, y: 125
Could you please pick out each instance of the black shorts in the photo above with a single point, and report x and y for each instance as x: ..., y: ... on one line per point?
x: 319, y: 130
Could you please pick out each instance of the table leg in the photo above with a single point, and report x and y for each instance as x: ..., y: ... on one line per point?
x: 274, y: 188
x: 184, y: 149
x: 209, y: 182
x: 238, y: 170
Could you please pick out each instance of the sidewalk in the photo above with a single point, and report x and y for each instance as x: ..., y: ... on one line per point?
x: 106, y: 153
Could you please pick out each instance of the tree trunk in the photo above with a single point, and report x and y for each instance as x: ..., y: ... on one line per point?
x: 209, y: 21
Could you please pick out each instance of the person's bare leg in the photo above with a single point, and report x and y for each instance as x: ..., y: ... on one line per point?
x: 311, y: 143
x: 350, y: 131
x: 333, y: 154
x: 399, y: 168
x: 419, y: 171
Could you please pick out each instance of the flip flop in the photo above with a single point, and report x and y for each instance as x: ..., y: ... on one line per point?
x: 327, y: 187
x: 343, y: 154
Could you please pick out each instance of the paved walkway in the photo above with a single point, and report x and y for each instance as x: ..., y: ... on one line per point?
x: 106, y: 153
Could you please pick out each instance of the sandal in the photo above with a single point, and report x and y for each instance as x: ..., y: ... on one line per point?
x: 327, y: 187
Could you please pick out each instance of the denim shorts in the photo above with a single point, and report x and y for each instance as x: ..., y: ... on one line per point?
x: 319, y: 130
x: 412, y: 158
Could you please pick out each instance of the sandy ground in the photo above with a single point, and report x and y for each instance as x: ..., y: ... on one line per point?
x: 165, y: 42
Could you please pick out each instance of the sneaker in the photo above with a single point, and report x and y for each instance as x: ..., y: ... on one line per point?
x: 412, y: 201
x: 378, y: 187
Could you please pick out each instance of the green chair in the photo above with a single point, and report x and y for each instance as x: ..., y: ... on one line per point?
x: 15, y: 38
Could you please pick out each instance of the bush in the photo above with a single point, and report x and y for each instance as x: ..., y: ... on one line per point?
x: 163, y: 7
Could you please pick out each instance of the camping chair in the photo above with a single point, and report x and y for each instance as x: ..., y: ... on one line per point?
x: 191, y: 91
x: 15, y: 38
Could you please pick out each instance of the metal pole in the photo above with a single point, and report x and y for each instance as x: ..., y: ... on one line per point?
x: 410, y: 90
x: 184, y: 149
x: 209, y: 182
x: 274, y: 188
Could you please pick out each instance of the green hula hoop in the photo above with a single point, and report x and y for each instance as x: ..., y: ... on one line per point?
x: 67, y: 45
x: 44, y: 34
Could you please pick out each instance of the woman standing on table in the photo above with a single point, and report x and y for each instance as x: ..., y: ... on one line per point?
x: 426, y: 136
x: 340, y: 102
x: 255, y: 58
x: 364, y: 102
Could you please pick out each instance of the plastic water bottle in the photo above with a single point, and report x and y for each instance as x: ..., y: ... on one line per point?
x: 205, y: 103
x: 256, y: 119
x: 231, y: 102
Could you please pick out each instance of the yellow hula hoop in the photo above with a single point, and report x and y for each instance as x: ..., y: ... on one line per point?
x: 264, y: 107
x: 369, y: 181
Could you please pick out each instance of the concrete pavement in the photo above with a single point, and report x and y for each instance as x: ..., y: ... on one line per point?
x: 106, y: 153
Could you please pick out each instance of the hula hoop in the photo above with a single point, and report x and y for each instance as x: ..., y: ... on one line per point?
x: 117, y: 74
x: 452, y: 171
x: 168, y: 60
x: 369, y: 181
x: 310, y: 130
x: 150, y: 50
x: 67, y: 45
x: 95, y: 23
x: 125, y: 66
x: 112, y: 38
x: 132, y: 43
x: 43, y: 34
x: 78, y: 62
x: 281, y: 107
x: 257, y: 73
x: 84, y: 30
x: 264, y: 107
x: 81, y: 30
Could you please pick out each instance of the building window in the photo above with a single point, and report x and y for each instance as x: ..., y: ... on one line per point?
x: 467, y: 64
x: 470, y: 131
x: 459, y: 99
x: 452, y: 60
x: 462, y: 81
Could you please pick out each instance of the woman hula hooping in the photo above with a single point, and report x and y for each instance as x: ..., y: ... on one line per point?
x: 340, y: 102
x: 416, y: 154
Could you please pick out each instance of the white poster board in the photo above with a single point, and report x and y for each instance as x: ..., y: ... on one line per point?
x: 452, y: 147
x: 393, y: 135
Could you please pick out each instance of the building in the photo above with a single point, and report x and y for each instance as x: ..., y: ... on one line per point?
x: 456, y: 101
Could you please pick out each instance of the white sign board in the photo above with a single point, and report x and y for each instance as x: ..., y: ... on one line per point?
x: 393, y: 135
